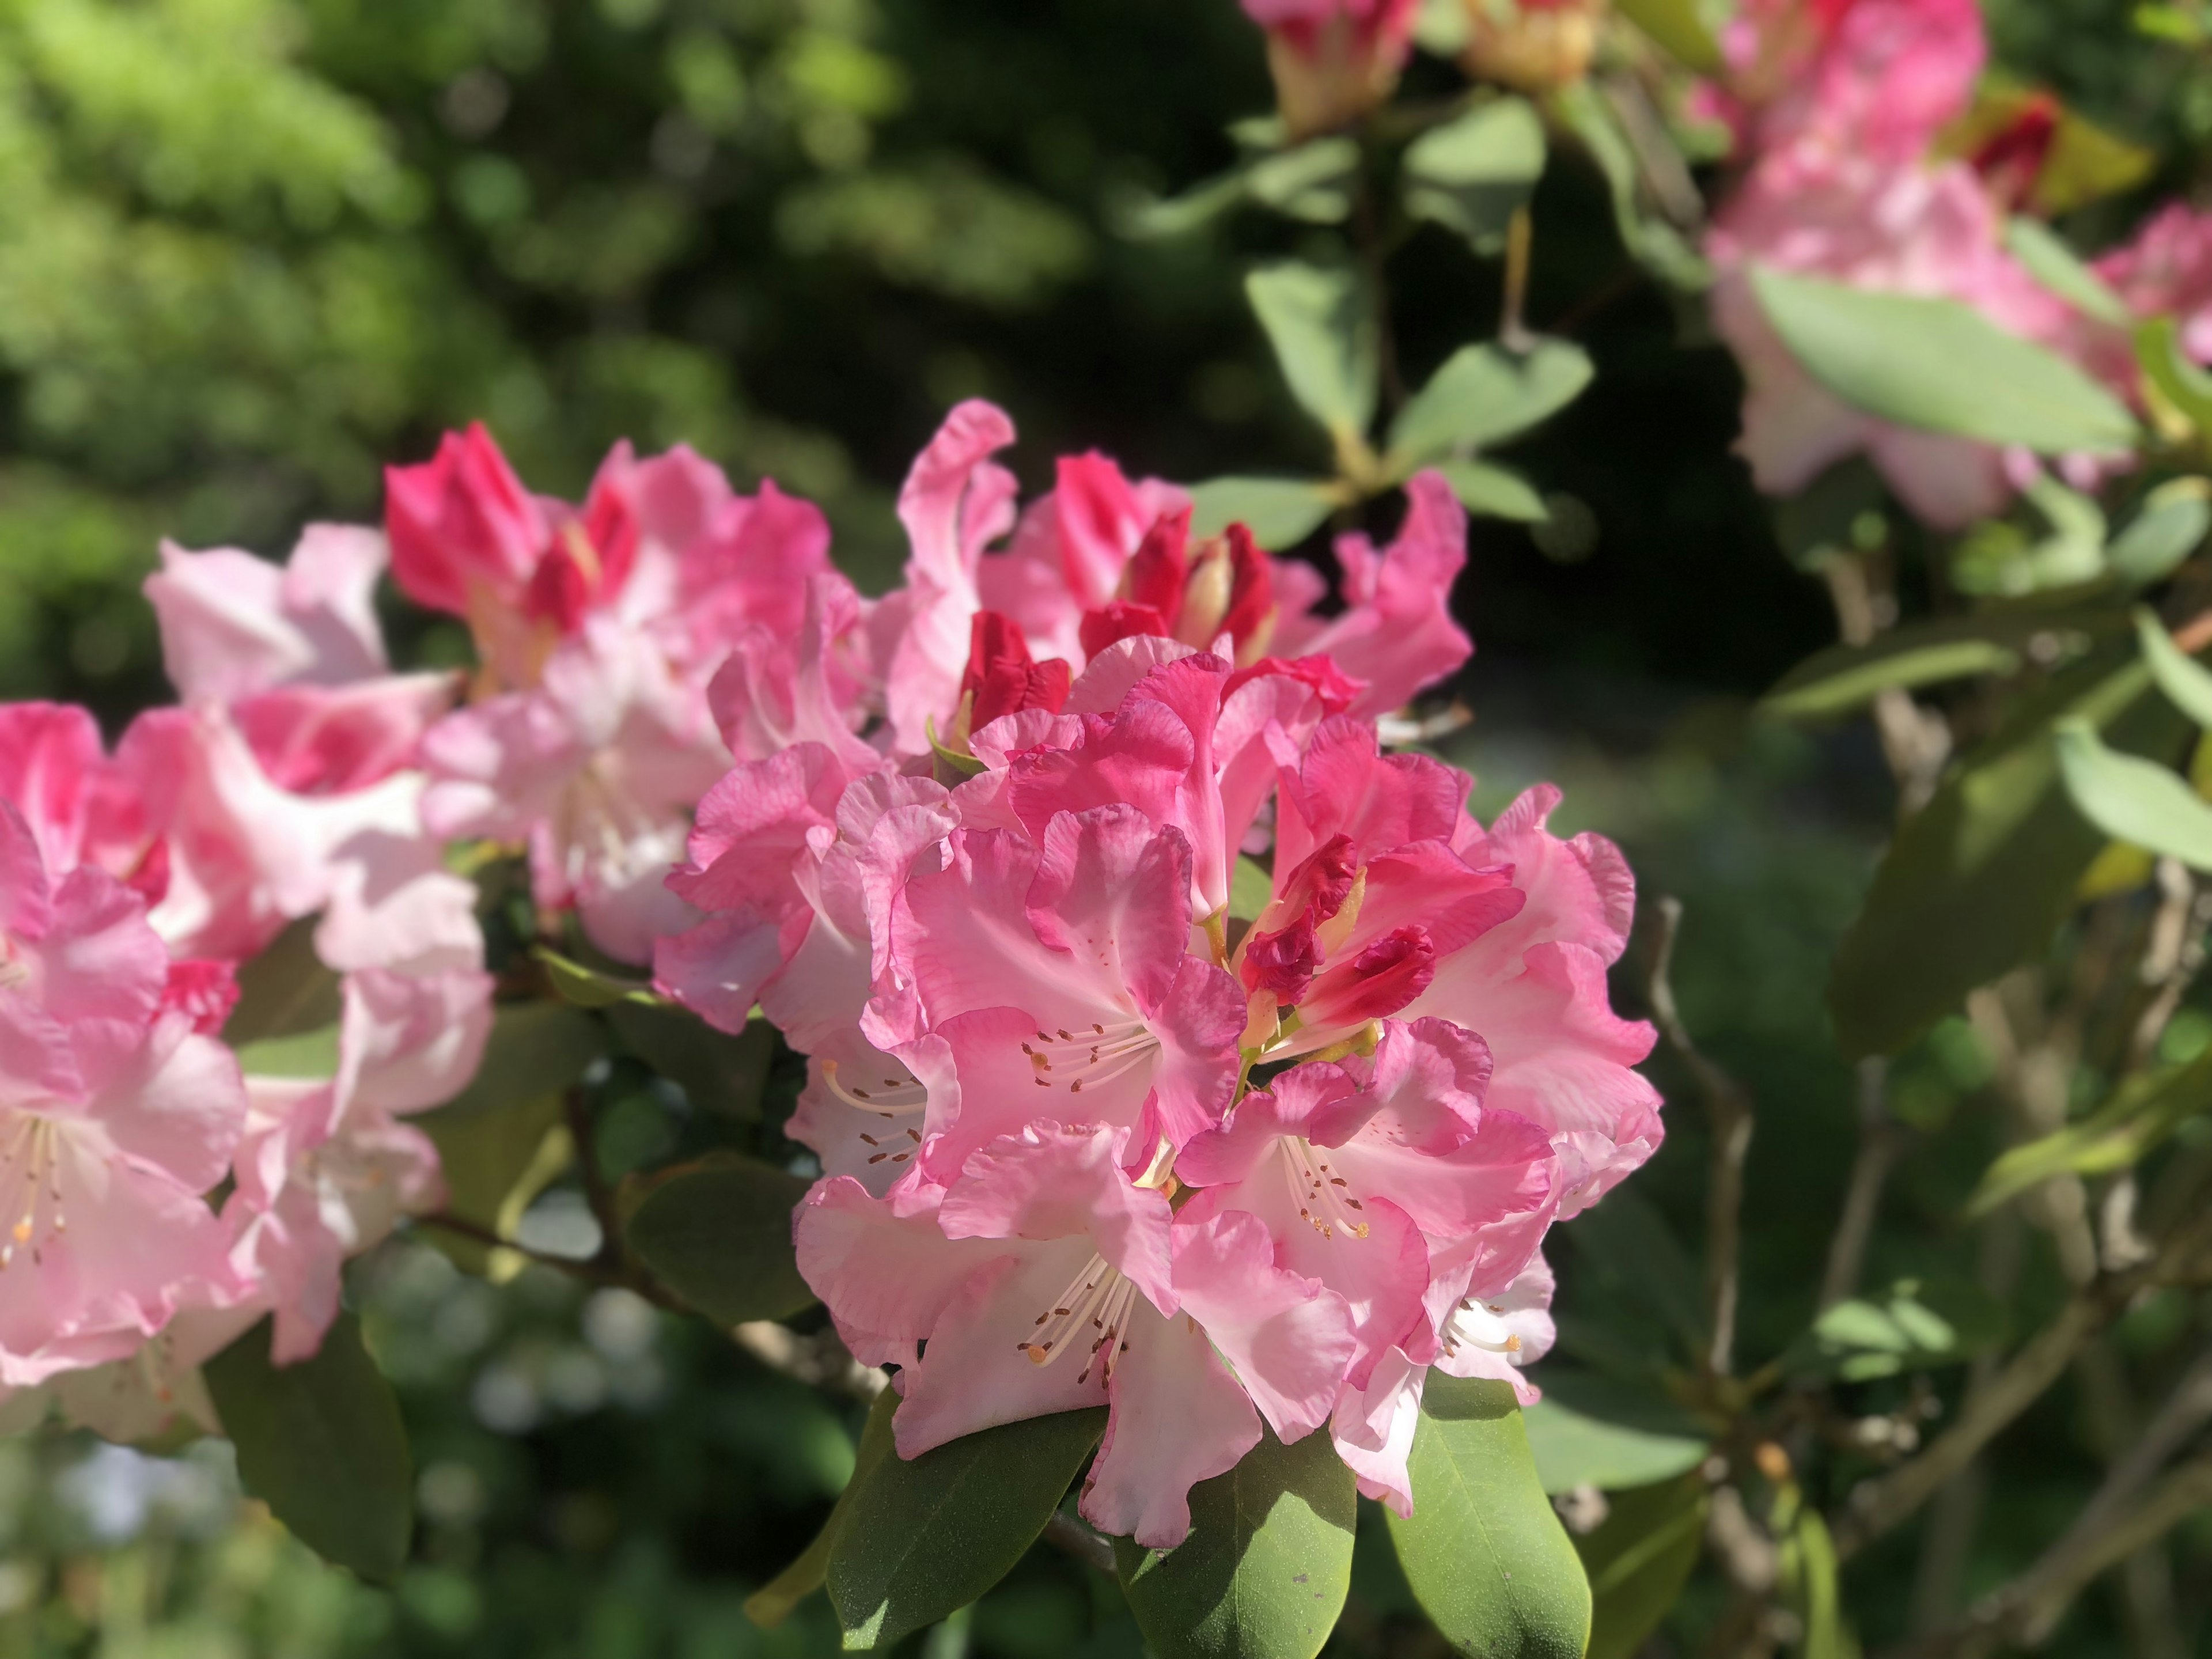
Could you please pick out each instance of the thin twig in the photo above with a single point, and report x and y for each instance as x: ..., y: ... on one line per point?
x: 821, y: 1361
x: 1070, y: 1537
x: 1729, y: 1109
x: 1875, y: 1506
x: 1881, y: 1142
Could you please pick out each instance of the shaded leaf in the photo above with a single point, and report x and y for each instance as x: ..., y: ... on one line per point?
x: 1939, y: 366
x: 496, y: 1161
x: 1591, y: 1431
x: 2169, y: 527
x: 1657, y: 245
x: 1318, y: 321
x: 2139, y: 1115
x: 1629, y: 1242
x: 2186, y: 682
x: 1312, y: 181
x: 774, y: 1601
x: 1808, y: 1562
x: 718, y: 1233
x: 1638, y: 1559
x: 581, y: 987
x: 2136, y: 801
x: 1978, y: 879
x: 535, y: 1050
x: 322, y: 1444
x: 721, y: 1073
x: 924, y: 1536
x: 1279, y: 513
x: 1266, y: 1569
x: 2058, y: 268
x: 1483, y: 1552
x: 283, y: 990
x: 1487, y: 489
x: 1845, y: 678
x: 2170, y: 369
x: 1676, y: 25
x: 1916, y: 1325
x: 1471, y: 173
x: 1482, y: 394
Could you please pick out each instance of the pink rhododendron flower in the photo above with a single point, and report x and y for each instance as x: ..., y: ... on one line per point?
x: 115, y: 1116
x: 1042, y: 1280
x: 80, y: 806
x: 325, y: 1168
x: 1333, y: 60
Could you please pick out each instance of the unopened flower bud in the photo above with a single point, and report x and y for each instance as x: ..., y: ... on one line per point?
x: 1333, y: 60
x: 1534, y: 46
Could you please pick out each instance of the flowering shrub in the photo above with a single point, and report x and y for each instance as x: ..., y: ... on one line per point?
x: 1191, y: 1079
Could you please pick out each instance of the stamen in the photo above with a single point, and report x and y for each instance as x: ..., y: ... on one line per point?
x: 1090, y: 1059
x: 1100, y: 1298
x: 906, y: 1097
x: 1324, y: 1198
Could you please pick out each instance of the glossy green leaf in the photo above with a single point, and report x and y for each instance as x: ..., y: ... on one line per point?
x: 1594, y: 1430
x: 1489, y: 490
x: 582, y: 986
x: 721, y: 1073
x: 1471, y: 173
x: 1483, y: 1552
x: 774, y: 1601
x: 2184, y: 680
x: 1279, y: 513
x: 2169, y: 527
x: 321, y: 1443
x: 924, y: 1536
x: 1639, y: 1557
x: 2138, y: 1117
x: 535, y: 1050
x: 1976, y: 881
x: 283, y: 990
x: 718, y: 1233
x: 495, y: 1160
x: 1676, y: 26
x: 1939, y: 366
x: 1483, y: 393
x: 1318, y: 320
x: 2058, y: 269
x: 1915, y: 1325
x: 2171, y: 370
x: 1266, y: 1569
x: 2136, y: 801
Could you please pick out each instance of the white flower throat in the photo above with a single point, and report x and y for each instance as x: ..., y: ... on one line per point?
x: 1091, y: 1057
x: 30, y: 1183
x: 1093, y: 1313
x: 890, y: 1100
x: 1324, y: 1198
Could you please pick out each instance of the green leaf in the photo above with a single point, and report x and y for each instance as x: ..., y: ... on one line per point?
x: 1483, y: 393
x: 1485, y: 1555
x: 2140, y: 1114
x: 496, y: 1161
x: 1280, y: 513
x: 2170, y: 369
x: 1485, y: 488
x: 1845, y: 678
x: 1639, y: 1557
x: 1323, y: 329
x: 2170, y: 526
x: 1652, y: 242
x: 718, y: 1233
x: 1312, y: 181
x: 1976, y: 881
x: 1250, y: 888
x: 321, y: 1444
x: 535, y: 1050
x: 1265, y: 1570
x: 580, y: 986
x: 1470, y: 174
x: 284, y: 991
x: 1808, y: 1563
x: 954, y: 766
x: 774, y: 1601
x: 1591, y: 1431
x: 926, y: 1536
x: 1939, y: 366
x: 302, y: 1054
x: 2136, y: 801
x: 2058, y: 269
x: 1916, y: 1325
x: 1440, y: 27
x: 721, y: 1073
x: 1676, y: 25
x: 2184, y: 680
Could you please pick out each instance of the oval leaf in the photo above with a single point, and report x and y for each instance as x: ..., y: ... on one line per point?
x: 1266, y: 1569
x: 284, y: 991
x: 926, y: 1537
x: 321, y: 1444
x: 720, y: 1072
x: 1638, y: 1559
x: 1939, y: 366
x: 1318, y: 320
x: 1482, y: 394
x: 1589, y: 1432
x: 2143, y: 1112
x: 1676, y: 25
x: 1279, y: 513
x: 2187, y: 681
x: 535, y: 1050
x: 2170, y: 369
x: 2058, y: 268
x: 718, y: 1233
x: 2169, y: 528
x: 1494, y: 491
x: 774, y: 1601
x: 1483, y: 1550
x: 2136, y: 801
x: 1472, y: 173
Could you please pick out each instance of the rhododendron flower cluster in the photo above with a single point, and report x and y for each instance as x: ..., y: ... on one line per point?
x: 1839, y: 109
x: 1089, y: 1131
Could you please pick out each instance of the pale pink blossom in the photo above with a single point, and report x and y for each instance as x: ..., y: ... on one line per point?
x: 1333, y: 60
x: 80, y: 806
x: 1042, y: 1280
